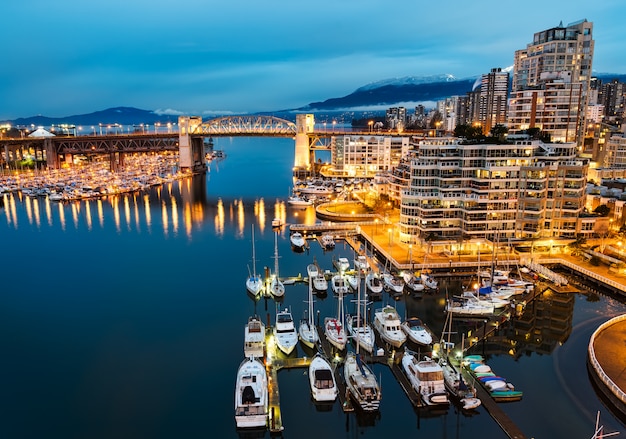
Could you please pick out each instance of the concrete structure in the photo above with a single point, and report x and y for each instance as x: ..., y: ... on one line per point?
x: 521, y: 190
x: 365, y: 156
x: 560, y: 49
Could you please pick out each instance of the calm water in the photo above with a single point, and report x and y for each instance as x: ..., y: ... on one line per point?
x: 123, y: 318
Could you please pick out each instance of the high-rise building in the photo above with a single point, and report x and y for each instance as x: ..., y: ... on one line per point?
x: 492, y: 101
x: 554, y: 51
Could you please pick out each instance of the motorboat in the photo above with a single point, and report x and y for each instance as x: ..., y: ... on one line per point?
x: 339, y: 284
x: 361, y: 383
x: 254, y: 283
x: 413, y: 283
x: 334, y: 328
x: 387, y: 323
x: 285, y: 333
x: 251, y: 395
x: 429, y: 281
x: 417, y: 331
x: 322, y: 380
x: 498, y: 387
x: 328, y: 242
x: 277, y: 288
x: 469, y: 307
x: 352, y: 280
x: 488, y: 299
x: 317, y: 277
x: 277, y: 223
x: 298, y: 243
x: 393, y: 284
x: 342, y: 264
x: 296, y: 200
x: 373, y: 284
x: 254, y: 338
x: 360, y: 263
x: 307, y: 332
x: 426, y: 377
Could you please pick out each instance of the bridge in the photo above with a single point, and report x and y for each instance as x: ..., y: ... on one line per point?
x: 188, y: 141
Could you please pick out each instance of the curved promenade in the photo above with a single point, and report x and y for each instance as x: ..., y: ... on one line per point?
x: 607, y: 362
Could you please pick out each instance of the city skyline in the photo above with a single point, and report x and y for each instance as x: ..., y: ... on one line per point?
x: 236, y: 58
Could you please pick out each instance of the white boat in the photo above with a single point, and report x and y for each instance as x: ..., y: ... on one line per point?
x: 373, y: 284
x: 469, y: 307
x: 488, y: 299
x: 429, y: 281
x: 334, y: 328
x: 251, y: 395
x: 393, y: 284
x: 417, y: 331
x: 328, y: 241
x: 254, y: 283
x: 55, y: 196
x: 342, y: 264
x: 296, y: 200
x: 339, y: 285
x: 360, y: 263
x: 322, y: 380
x: 307, y: 332
x: 359, y: 329
x: 315, y: 190
x: 426, y: 377
x: 277, y: 288
x: 320, y: 283
x: 277, y: 223
x: 413, y: 282
x: 361, y: 383
x: 298, y: 243
x: 387, y: 323
x: 254, y: 338
x: 352, y: 280
x: 285, y: 333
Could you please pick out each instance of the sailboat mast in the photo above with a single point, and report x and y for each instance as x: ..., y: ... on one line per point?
x: 253, y: 254
x: 276, y: 253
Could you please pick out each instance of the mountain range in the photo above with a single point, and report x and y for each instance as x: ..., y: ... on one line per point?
x: 371, y: 98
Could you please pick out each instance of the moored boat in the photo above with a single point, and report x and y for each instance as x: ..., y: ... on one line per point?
x: 328, y: 241
x: 254, y: 283
x: 498, y: 387
x: 298, y: 243
x: 373, y: 284
x: 342, y: 264
x: 285, y: 333
x: 393, y: 284
x: 251, y: 395
x: 417, y: 331
x: 426, y: 377
x: 339, y: 284
x: 361, y: 383
x: 254, y: 338
x: 322, y: 380
x: 387, y: 323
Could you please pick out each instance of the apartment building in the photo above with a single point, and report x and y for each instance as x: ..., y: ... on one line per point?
x: 365, y: 156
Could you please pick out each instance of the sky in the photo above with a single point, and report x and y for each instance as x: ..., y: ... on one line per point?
x: 204, y: 57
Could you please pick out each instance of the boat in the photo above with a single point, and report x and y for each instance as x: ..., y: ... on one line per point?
x: 254, y: 338
x: 254, y: 283
x: 417, y: 331
x: 429, y: 281
x: 469, y: 307
x: 497, y: 387
x: 339, y: 284
x: 342, y: 264
x: 361, y: 264
x: 334, y: 328
x: 251, y: 395
x: 307, y: 332
x: 277, y: 223
x: 328, y: 242
x: 387, y: 323
x: 296, y: 200
x: 426, y: 377
x: 285, y: 333
x: 461, y: 391
x: 488, y: 299
x: 393, y: 284
x: 319, y: 280
x: 352, y: 280
x: 359, y: 329
x: 373, y: 284
x: 277, y: 288
x: 361, y: 383
x: 413, y: 283
x: 298, y: 243
x: 322, y: 379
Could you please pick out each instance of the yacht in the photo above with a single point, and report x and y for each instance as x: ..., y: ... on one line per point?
x: 307, y: 332
x: 387, y: 323
x: 285, y: 332
x: 334, y: 327
x: 426, y: 377
x: 254, y: 338
x: 322, y: 380
x: 393, y: 284
x: 328, y: 241
x: 413, y: 283
x: 360, y: 263
x: 277, y: 288
x: 339, y: 284
x: 429, y: 281
x: 361, y: 383
x: 254, y: 283
x: 296, y: 200
x: 373, y: 284
x: 342, y: 264
x: 361, y: 332
x: 470, y: 307
x: 416, y: 331
x: 317, y: 277
x: 298, y: 243
x: 251, y: 395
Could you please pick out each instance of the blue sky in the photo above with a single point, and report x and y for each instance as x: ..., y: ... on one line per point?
x: 206, y: 57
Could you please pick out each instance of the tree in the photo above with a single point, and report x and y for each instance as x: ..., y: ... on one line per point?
x: 602, y: 210
x: 499, y: 131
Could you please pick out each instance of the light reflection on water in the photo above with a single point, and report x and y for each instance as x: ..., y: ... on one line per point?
x: 138, y: 305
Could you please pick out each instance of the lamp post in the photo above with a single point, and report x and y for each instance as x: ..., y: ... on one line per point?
x: 375, y: 226
x: 411, y: 256
x: 371, y: 123
x: 390, y: 231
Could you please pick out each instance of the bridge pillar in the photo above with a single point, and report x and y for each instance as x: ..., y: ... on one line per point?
x: 305, y: 124
x: 52, y: 158
x: 190, y: 149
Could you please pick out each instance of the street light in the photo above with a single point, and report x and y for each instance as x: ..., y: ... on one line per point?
x: 389, y: 230
x: 375, y: 226
x: 371, y: 123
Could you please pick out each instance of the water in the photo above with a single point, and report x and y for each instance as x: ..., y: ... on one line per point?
x: 124, y: 318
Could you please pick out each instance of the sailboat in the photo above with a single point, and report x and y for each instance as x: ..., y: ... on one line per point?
x: 462, y: 392
x: 358, y: 327
x: 307, y: 332
x: 254, y: 283
x: 277, y: 288
x: 334, y: 327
